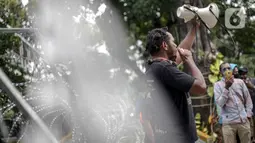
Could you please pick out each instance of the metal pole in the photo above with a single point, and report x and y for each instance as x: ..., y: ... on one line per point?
x: 17, y: 30
x: 55, y: 70
x: 7, y: 86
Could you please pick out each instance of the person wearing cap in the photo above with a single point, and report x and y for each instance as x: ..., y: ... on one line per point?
x: 234, y: 68
x: 234, y: 99
x: 250, y: 83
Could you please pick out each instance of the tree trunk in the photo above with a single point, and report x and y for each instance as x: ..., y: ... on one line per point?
x: 182, y: 26
x: 203, y: 65
x: 205, y: 41
x: 182, y: 29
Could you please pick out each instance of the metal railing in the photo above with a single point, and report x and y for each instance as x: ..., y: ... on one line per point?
x: 14, y: 94
x: 17, y: 30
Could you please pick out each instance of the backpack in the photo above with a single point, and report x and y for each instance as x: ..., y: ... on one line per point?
x: 145, y: 103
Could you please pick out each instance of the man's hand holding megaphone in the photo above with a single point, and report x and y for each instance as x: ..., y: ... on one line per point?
x: 195, y: 22
x: 209, y: 15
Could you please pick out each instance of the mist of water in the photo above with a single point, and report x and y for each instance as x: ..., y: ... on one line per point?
x: 85, y: 95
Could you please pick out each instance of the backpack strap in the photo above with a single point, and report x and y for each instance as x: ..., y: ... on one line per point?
x: 241, y: 97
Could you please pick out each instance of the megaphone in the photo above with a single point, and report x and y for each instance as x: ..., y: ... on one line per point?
x: 209, y: 15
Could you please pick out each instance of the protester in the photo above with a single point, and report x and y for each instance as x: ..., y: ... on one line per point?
x: 250, y: 83
x: 234, y: 99
x: 234, y: 69
x: 243, y: 72
x: 170, y: 88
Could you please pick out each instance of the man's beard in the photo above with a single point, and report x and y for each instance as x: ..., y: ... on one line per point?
x: 172, y: 58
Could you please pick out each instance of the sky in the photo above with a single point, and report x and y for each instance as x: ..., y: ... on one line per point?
x: 24, y: 2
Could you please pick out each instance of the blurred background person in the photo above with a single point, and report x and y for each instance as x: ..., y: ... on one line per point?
x: 234, y: 68
x: 250, y: 83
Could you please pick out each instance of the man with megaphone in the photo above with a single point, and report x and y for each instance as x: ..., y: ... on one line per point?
x: 171, y: 88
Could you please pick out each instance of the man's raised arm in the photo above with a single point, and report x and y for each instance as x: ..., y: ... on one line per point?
x: 187, y: 42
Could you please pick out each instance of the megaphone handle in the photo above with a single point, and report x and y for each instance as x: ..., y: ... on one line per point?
x: 203, y: 22
x: 189, y: 9
x: 197, y: 16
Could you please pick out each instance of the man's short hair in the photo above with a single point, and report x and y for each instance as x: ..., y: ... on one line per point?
x: 155, y: 38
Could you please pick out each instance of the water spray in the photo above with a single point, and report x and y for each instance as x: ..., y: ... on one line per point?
x: 14, y: 94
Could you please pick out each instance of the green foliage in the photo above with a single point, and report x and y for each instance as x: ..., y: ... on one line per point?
x: 214, y: 68
x: 243, y: 52
x: 14, y: 14
x: 215, y: 73
x: 210, y: 90
x: 246, y: 60
x: 9, y: 115
x: 180, y: 67
x: 213, y: 78
x: 142, y: 16
x: 200, y: 125
x: 245, y: 37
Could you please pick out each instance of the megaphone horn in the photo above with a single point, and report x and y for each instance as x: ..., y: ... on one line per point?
x: 186, y: 12
x: 208, y: 15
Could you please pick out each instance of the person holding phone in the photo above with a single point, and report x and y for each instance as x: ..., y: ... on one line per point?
x: 234, y: 99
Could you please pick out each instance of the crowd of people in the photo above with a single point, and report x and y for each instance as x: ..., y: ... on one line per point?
x: 166, y: 111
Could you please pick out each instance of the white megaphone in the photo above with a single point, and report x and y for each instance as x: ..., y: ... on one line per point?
x: 209, y: 15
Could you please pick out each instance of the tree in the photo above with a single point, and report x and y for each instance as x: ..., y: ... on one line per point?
x: 242, y: 51
x: 12, y: 13
x: 142, y: 16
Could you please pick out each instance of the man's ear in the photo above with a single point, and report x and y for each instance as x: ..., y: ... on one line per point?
x: 164, y: 45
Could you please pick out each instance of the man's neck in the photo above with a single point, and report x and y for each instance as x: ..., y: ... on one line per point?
x: 163, y: 58
x: 159, y: 58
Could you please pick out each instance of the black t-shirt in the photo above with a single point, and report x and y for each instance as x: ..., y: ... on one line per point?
x: 170, y: 109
